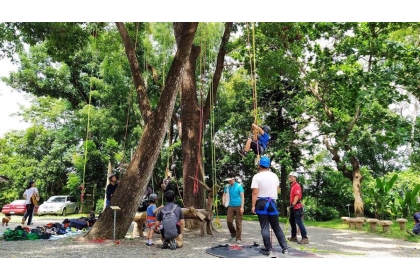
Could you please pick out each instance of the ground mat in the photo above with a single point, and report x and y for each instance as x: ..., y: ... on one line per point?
x: 254, y: 251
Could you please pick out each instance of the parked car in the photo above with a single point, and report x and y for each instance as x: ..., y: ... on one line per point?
x: 59, y: 205
x: 17, y: 207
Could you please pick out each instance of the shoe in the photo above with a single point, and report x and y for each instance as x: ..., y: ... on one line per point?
x: 23, y: 221
x: 292, y: 239
x: 172, y: 244
x: 285, y: 251
x: 304, y: 241
x: 231, y: 239
x: 238, y: 241
x: 150, y: 244
x: 165, y: 245
x: 271, y: 255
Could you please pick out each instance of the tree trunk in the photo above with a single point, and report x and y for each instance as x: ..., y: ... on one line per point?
x: 140, y: 169
x: 357, y: 188
x: 192, y: 132
x: 107, y: 181
x: 193, y: 125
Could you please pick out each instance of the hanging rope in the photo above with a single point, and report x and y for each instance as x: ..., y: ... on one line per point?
x: 200, y: 130
x: 129, y: 102
x: 213, y: 153
x: 252, y: 66
x: 88, y: 115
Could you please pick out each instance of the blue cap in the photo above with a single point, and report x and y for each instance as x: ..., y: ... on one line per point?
x: 265, y: 162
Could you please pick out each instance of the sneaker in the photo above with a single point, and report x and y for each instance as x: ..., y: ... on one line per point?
x: 23, y: 221
x: 292, y: 239
x: 150, y: 244
x: 238, y: 241
x: 304, y: 241
x: 231, y: 239
x: 285, y: 251
x: 271, y: 255
x: 165, y: 245
x: 172, y: 244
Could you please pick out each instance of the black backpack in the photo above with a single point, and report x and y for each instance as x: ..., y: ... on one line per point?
x: 169, y: 221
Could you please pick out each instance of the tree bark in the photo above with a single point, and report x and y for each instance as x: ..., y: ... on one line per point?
x: 140, y: 169
x: 192, y: 130
x: 192, y: 127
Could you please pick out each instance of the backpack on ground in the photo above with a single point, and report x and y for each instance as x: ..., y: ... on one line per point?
x: 78, y: 223
x: 169, y: 222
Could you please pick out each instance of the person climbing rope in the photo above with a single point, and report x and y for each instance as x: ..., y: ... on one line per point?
x: 259, y: 143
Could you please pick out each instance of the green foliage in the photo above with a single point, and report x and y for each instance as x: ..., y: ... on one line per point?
x: 99, y: 206
x: 320, y: 213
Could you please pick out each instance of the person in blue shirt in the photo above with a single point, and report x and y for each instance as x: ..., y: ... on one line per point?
x: 259, y: 142
x: 233, y: 199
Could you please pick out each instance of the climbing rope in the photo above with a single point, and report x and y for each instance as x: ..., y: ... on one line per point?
x: 88, y: 115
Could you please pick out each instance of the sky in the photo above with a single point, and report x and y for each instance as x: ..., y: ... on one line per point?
x: 10, y: 101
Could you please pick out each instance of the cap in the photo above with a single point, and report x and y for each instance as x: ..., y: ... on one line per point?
x: 265, y: 162
x: 294, y: 174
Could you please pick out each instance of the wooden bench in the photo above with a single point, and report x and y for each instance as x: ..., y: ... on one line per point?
x: 204, y: 216
x: 372, y: 223
x: 386, y: 225
x: 402, y: 223
x: 356, y: 223
x: 345, y: 220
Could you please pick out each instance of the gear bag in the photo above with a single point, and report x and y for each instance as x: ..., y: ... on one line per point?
x: 169, y: 222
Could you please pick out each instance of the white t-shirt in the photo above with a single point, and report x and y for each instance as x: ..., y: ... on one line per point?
x: 29, y: 192
x: 266, y: 182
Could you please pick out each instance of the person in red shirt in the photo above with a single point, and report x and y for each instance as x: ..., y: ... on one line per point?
x: 296, y: 210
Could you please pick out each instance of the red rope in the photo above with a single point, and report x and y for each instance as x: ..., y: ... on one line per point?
x: 195, y: 189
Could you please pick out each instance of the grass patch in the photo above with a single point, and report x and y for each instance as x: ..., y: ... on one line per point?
x: 395, y: 232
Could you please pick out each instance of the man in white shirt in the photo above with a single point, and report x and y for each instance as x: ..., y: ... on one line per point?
x: 31, y: 195
x: 265, y: 188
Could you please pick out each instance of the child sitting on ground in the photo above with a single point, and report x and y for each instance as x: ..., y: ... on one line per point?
x: 259, y: 142
x: 5, y: 220
x: 151, y: 218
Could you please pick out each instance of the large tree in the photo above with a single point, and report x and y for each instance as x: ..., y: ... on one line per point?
x: 195, y: 113
x: 156, y: 120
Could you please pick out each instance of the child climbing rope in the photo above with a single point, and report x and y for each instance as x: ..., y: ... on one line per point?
x: 259, y: 142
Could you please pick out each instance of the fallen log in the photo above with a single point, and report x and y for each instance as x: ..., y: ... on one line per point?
x: 206, y: 217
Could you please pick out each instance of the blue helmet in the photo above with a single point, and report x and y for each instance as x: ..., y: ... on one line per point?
x: 265, y: 162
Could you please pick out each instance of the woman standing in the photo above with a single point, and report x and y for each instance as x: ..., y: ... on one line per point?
x: 31, y: 196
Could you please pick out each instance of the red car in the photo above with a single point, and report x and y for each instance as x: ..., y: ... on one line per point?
x: 17, y: 207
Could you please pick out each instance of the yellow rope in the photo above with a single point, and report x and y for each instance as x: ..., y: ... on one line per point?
x: 88, y: 119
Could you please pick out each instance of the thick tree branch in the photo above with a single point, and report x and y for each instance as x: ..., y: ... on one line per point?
x: 212, y: 94
x: 144, y: 103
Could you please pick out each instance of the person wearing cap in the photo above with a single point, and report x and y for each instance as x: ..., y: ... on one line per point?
x: 30, y: 193
x: 265, y: 188
x: 110, y: 189
x: 296, y: 210
x: 233, y: 199
x: 259, y: 142
x: 151, y: 218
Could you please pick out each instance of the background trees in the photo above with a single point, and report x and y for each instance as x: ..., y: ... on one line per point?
x: 331, y: 93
